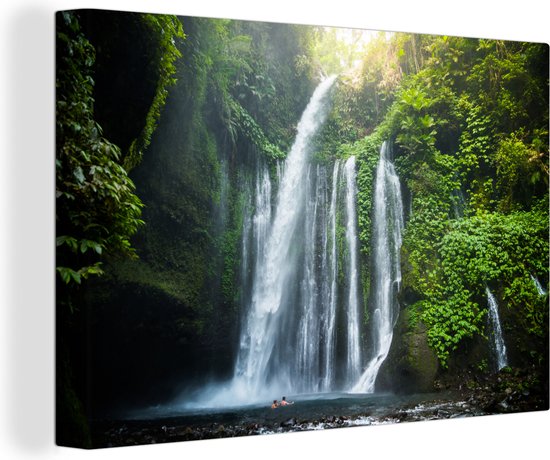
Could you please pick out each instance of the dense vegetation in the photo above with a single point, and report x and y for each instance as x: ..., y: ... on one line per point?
x: 469, y: 127
x: 160, y: 122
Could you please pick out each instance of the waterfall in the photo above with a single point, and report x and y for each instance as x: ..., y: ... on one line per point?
x: 459, y: 203
x: 498, y: 346
x: 301, y: 319
x: 354, y: 323
x: 538, y: 286
x: 330, y: 292
x: 282, y: 315
x: 308, y: 350
x: 316, y: 367
x: 387, y: 230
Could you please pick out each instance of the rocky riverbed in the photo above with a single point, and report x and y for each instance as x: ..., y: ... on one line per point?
x: 496, y: 395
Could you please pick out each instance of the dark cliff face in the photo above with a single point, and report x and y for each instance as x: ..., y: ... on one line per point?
x: 96, y: 205
x: 126, y: 71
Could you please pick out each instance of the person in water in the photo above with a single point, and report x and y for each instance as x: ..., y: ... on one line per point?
x: 284, y: 402
x: 275, y: 404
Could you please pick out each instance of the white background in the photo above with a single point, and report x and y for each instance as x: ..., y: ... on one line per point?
x: 27, y: 234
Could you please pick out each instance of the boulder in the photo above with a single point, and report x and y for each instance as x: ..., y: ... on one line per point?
x: 411, y: 365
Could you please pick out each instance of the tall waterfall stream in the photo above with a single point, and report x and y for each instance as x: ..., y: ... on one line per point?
x: 288, y: 337
x: 387, y: 230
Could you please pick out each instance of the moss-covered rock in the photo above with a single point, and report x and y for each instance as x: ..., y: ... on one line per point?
x: 411, y: 365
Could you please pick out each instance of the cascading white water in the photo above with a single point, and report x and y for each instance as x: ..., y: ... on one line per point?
x: 538, y: 286
x: 300, y: 278
x: 387, y: 229
x: 330, y: 291
x: 308, y: 350
x: 316, y: 367
x: 497, y: 341
x: 354, y: 322
x: 459, y: 203
x: 256, y: 223
x: 266, y: 360
x: 262, y: 217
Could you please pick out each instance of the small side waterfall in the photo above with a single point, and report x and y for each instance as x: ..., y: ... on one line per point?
x: 387, y: 229
x: 497, y: 341
x: 459, y: 203
x: 538, y: 286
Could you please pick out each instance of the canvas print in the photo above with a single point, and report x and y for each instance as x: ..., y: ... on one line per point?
x: 266, y: 228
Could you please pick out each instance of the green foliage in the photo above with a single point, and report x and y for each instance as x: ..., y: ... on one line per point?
x: 256, y: 93
x: 489, y: 250
x: 97, y: 209
x: 134, y: 67
x: 68, y: 274
x: 168, y: 31
x: 242, y: 122
x: 345, y: 122
x: 230, y: 245
x: 503, y: 82
x: 88, y: 168
x: 367, y: 154
x: 363, y: 94
x: 425, y: 227
x: 328, y: 50
x: 468, y: 119
x: 183, y: 287
x: 379, y: 78
x: 476, y: 140
x: 519, y: 166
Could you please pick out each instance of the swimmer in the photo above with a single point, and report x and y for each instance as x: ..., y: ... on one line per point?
x: 284, y: 402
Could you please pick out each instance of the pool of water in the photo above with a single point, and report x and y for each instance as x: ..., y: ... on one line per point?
x: 180, y: 422
x: 305, y: 408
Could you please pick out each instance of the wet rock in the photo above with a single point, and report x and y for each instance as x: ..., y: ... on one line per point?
x: 411, y: 365
x: 252, y: 427
x: 288, y: 423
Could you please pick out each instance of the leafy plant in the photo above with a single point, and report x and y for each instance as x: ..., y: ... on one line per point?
x: 97, y: 209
